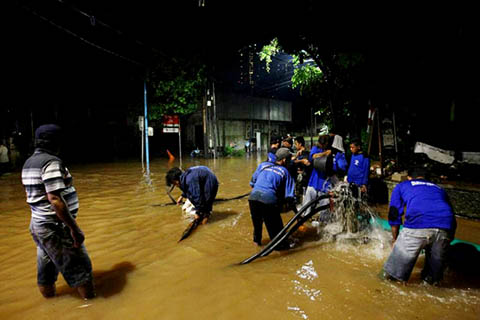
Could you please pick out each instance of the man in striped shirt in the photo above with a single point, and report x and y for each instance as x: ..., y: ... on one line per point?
x: 54, y: 205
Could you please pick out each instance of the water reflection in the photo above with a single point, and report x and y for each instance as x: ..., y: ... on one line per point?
x: 108, y: 282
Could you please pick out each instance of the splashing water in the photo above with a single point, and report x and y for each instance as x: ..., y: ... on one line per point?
x: 349, y: 219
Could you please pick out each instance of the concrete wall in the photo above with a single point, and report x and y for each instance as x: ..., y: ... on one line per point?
x: 239, y: 118
x: 238, y: 131
x: 465, y: 201
x: 235, y: 106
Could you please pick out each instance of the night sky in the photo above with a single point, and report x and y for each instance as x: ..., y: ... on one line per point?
x: 62, y: 55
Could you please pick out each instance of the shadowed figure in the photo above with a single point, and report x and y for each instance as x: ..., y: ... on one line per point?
x: 107, y: 282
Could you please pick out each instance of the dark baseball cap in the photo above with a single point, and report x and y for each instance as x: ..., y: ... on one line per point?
x: 48, y: 132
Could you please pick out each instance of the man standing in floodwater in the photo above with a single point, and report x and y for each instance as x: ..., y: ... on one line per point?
x: 319, y: 183
x: 199, y: 185
x: 272, y: 186
x: 429, y: 224
x: 359, y: 169
x: 54, y: 206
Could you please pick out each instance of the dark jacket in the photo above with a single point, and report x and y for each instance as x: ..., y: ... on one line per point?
x: 199, y: 185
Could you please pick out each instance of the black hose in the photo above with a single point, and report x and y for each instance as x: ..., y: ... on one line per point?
x: 284, y: 233
x: 192, y: 226
x: 234, y: 198
x: 216, y: 200
x: 300, y: 222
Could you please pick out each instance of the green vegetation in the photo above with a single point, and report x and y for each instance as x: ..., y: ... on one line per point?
x: 230, y: 151
x: 175, y: 87
x: 268, y: 51
x: 330, y: 81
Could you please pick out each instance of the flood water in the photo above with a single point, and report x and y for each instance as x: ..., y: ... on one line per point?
x: 141, y: 272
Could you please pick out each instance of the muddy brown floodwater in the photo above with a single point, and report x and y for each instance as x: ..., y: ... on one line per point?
x: 141, y: 272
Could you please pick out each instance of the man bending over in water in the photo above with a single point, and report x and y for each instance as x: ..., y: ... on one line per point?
x: 199, y: 185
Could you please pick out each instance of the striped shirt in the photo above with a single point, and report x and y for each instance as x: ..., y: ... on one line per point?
x: 44, y: 173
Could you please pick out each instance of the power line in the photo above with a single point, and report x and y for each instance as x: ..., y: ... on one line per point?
x: 79, y: 37
x: 94, y: 21
x: 276, y: 86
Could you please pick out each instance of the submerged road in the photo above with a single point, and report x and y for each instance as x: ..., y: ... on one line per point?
x: 142, y: 272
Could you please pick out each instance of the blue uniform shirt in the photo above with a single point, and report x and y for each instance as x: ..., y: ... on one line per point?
x: 318, y: 180
x: 271, y: 184
x: 359, y: 169
x: 271, y: 157
x: 427, y: 206
x: 339, y: 162
x: 199, y: 185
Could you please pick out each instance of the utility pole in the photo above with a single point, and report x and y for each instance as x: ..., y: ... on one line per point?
x: 146, y: 129
x: 379, y: 130
x: 204, y: 117
x: 215, y: 124
x: 311, y: 128
x: 370, y: 125
x: 269, y: 128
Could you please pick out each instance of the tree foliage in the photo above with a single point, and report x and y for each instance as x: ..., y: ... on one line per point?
x: 329, y: 79
x: 175, y: 87
x: 306, y: 76
x: 268, y: 51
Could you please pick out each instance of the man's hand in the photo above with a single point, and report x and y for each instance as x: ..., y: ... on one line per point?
x: 395, y: 231
x: 363, y: 188
x: 78, y: 237
x: 322, y: 154
x: 202, y: 217
x: 179, y: 200
x: 61, y: 209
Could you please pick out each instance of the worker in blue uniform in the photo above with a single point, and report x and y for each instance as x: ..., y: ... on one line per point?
x: 272, y: 187
x: 319, y: 182
x: 359, y: 169
x: 340, y: 163
x: 429, y: 225
x: 198, y: 184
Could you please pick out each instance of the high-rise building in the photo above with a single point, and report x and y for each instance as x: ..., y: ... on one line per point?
x: 248, y: 63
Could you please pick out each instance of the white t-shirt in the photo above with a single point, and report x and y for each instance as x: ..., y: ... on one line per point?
x: 3, y: 154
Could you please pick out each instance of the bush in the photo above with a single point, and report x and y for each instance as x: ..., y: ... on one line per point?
x: 230, y: 151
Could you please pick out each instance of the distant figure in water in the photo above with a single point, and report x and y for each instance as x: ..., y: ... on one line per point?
x: 54, y: 204
x: 199, y: 185
x: 429, y: 224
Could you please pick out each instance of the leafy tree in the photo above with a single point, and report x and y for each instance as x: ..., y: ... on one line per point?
x: 330, y: 80
x: 268, y: 51
x: 176, y: 86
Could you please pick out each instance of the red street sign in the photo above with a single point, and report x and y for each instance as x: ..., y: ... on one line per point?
x: 169, y: 120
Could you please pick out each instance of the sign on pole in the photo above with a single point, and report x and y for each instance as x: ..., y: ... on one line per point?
x: 171, y: 124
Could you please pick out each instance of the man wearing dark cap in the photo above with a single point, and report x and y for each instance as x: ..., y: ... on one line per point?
x: 429, y: 225
x: 272, y: 187
x: 199, y: 185
x: 54, y: 205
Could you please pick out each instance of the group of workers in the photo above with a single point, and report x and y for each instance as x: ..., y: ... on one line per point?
x: 429, y: 219
x: 294, y: 178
